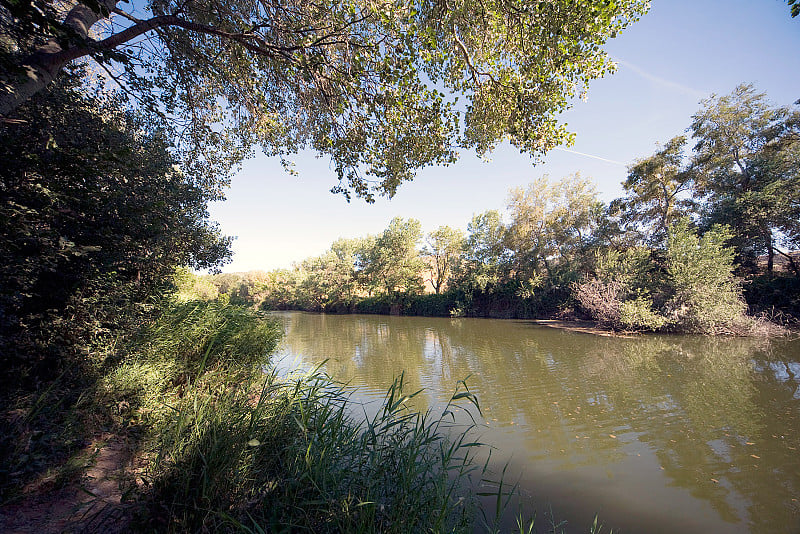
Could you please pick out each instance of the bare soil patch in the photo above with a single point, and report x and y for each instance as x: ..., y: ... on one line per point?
x: 94, y: 503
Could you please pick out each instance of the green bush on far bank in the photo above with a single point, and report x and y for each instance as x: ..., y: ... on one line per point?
x: 692, y: 289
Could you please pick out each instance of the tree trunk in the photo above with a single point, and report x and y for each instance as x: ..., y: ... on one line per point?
x: 41, y: 67
x: 770, y: 249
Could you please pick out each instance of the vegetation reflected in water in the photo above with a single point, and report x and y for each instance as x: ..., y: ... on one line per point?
x: 638, y: 428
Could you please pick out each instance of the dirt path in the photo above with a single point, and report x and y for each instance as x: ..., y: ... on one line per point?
x: 94, y: 504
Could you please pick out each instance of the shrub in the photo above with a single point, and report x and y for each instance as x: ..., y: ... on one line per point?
x: 706, y: 297
x: 379, y: 304
x: 431, y: 305
x: 619, y: 297
x: 699, y: 292
x: 638, y: 314
x: 202, y: 334
x: 601, y: 300
x: 777, y: 296
x: 186, y: 341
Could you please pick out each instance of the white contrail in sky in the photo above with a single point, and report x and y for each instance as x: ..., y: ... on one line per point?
x: 678, y: 87
x: 674, y: 86
x: 615, y: 162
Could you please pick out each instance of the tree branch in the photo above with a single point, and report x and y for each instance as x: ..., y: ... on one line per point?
x: 41, y: 67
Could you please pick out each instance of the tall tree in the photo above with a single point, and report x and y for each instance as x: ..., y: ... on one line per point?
x: 330, y: 280
x: 656, y: 187
x: 551, y: 224
x: 484, y: 252
x: 443, y: 249
x: 95, y: 215
x: 746, y: 169
x: 371, y: 84
x: 393, y: 262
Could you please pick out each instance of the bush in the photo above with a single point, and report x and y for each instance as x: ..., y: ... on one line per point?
x: 431, y: 305
x: 777, y: 296
x: 379, y: 304
x: 202, y: 334
x: 619, y: 297
x: 601, y: 300
x: 699, y: 291
x: 638, y: 314
x: 706, y: 297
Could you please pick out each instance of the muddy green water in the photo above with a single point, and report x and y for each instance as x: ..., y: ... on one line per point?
x: 654, y: 434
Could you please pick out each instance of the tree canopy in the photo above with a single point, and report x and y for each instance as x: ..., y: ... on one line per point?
x: 392, y: 263
x: 551, y: 223
x: 654, y: 187
x: 374, y: 85
x: 746, y: 169
x: 443, y: 248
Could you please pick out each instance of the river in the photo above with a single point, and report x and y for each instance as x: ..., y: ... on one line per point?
x: 652, y: 433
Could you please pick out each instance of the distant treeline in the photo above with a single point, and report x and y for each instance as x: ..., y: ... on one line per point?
x: 679, y: 252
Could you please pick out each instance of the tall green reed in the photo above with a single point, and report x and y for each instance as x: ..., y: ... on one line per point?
x: 293, y: 456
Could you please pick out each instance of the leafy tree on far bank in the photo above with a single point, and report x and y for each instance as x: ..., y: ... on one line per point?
x: 485, y: 253
x: 655, y: 189
x: 278, y: 291
x: 551, y: 226
x: 443, y: 249
x: 393, y: 265
x: 747, y: 171
x: 330, y: 281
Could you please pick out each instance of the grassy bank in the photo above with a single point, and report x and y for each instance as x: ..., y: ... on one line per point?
x: 235, y: 448
x: 218, y: 444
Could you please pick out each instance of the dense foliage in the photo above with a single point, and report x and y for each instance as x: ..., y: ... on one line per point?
x: 373, y: 85
x: 94, y: 218
x: 95, y: 214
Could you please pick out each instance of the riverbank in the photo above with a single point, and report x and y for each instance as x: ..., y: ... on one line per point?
x: 745, y: 326
x: 193, y: 436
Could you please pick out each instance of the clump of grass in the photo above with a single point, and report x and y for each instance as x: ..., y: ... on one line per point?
x: 197, y: 334
x: 186, y: 341
x: 291, y: 456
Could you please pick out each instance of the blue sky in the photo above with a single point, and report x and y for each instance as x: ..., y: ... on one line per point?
x: 679, y: 53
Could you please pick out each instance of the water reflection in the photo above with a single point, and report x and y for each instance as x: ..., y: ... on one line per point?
x: 658, y: 433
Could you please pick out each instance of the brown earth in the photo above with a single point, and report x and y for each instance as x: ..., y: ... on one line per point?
x: 95, y: 503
